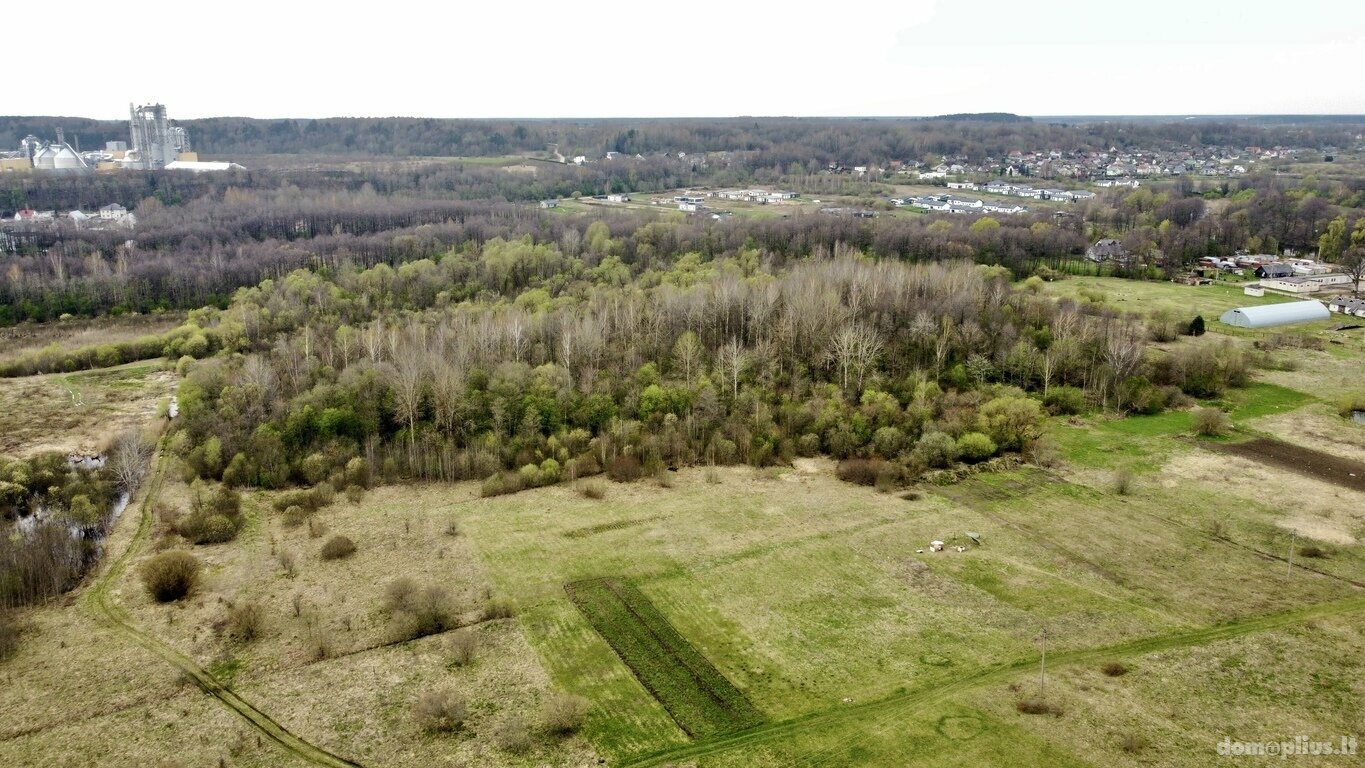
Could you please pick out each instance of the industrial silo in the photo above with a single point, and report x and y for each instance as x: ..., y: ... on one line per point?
x: 66, y: 159
x: 45, y: 159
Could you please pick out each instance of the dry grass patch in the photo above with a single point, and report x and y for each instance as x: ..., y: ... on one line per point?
x: 79, y: 412
x: 1309, y: 507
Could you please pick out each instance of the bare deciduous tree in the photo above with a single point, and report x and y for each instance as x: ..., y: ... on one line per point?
x: 129, y: 457
x: 854, y: 349
x: 732, y: 358
x: 687, y: 351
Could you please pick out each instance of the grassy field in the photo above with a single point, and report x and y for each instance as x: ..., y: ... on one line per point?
x: 1143, y: 297
x: 697, y: 696
x: 802, y: 602
x: 79, y: 411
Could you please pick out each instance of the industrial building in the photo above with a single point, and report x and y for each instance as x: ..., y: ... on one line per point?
x: 154, y: 144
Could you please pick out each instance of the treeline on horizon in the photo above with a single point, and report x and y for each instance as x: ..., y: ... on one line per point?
x: 785, y: 140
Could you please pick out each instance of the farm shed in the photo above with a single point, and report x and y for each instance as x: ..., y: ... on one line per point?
x: 1269, y: 315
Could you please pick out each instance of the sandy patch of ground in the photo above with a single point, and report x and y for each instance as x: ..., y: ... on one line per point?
x: 1311, y: 508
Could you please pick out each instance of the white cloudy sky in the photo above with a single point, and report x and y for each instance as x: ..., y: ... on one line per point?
x: 692, y: 57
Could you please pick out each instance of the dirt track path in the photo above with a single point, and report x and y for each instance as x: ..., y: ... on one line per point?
x: 100, y: 602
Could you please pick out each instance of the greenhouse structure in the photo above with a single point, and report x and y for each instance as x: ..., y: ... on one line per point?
x: 1270, y: 315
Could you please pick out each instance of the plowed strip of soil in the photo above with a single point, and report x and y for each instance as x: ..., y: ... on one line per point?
x: 1305, y: 461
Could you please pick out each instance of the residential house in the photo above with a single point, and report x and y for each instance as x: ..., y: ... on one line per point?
x: 1348, y: 306
x: 1106, y: 249
x: 1005, y: 207
x: 1274, y: 269
x: 549, y: 203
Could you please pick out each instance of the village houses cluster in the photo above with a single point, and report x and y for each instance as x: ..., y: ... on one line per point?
x: 1103, y: 166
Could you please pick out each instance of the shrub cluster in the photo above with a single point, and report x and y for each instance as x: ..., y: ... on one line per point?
x: 245, y: 621
x: 440, y: 710
x: 419, y: 610
x: 338, y: 547
x: 215, y: 517
x: 547, y: 472
x: 170, y: 575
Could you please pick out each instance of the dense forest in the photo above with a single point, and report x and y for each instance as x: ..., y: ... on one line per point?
x: 199, y: 238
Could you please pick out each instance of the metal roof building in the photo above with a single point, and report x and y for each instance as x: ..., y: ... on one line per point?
x: 1270, y: 315
x: 200, y: 166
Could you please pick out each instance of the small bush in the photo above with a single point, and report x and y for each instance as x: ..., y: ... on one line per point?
x: 1114, y: 669
x: 625, y: 469
x: 1038, y: 707
x: 1123, y: 481
x: 318, y: 639
x: 591, y: 489
x: 316, y: 528
x: 502, y: 483
x: 170, y: 575
x: 563, y: 713
x: 288, y: 562
x: 1133, y: 743
x: 859, y: 471
x: 974, y: 447
x: 452, y: 528
x: 399, y: 593
x: 1312, y: 550
x: 354, y: 493
x: 295, y: 515
x: 711, y: 476
x: 440, y: 710
x: 512, y: 734
x: 1210, y: 422
x: 338, y: 547
x: 245, y: 622
x: 463, y: 644
x: 936, y: 449
x: 497, y: 609
x: 309, y: 499
x: 199, y: 528
x: 420, y: 611
x: 1065, y: 401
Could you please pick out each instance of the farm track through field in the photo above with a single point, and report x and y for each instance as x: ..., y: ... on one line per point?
x: 899, y: 705
x: 100, y: 602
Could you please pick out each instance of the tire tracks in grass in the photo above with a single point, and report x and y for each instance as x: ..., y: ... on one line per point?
x: 99, y: 601
x: 901, y: 704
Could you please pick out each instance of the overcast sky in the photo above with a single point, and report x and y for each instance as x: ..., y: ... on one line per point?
x: 688, y: 58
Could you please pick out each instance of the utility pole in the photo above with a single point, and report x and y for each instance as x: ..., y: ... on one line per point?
x: 1293, y: 539
x: 1042, y: 669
